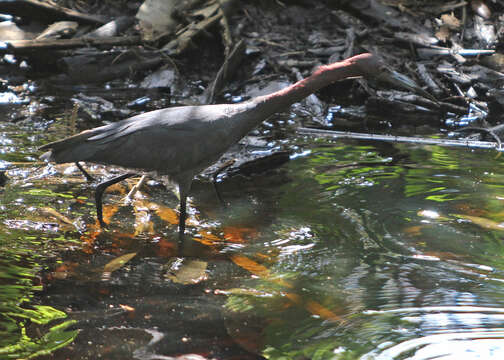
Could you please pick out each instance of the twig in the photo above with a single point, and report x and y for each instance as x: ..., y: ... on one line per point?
x: 441, y: 51
x: 135, y: 188
x: 45, y: 10
x: 427, y: 78
x: 481, y: 130
x: 447, y: 7
x: 186, y: 35
x: 227, y: 68
x: 406, y: 139
x: 26, y: 46
x: 227, y: 38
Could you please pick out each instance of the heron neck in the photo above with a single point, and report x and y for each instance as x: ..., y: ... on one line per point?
x: 272, y: 103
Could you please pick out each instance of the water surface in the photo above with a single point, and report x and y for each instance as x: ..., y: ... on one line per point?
x: 351, y: 250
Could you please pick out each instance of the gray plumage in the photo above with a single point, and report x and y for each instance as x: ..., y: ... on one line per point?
x: 178, y: 142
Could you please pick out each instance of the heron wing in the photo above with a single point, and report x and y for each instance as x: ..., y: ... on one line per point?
x: 173, y: 137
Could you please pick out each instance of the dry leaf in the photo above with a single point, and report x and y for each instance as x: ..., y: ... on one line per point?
x: 413, y: 230
x: 484, y: 223
x: 127, y: 307
x: 51, y: 212
x: 118, y: 262
x: 143, y: 223
x: 117, y: 187
x: 167, y: 214
x: 314, y: 307
x: 108, y: 212
x: 251, y: 266
x: 186, y: 271
x: 450, y: 21
x: 155, y: 17
x: 311, y: 306
x: 208, y: 238
x: 443, y: 33
x: 238, y: 234
x: 258, y: 269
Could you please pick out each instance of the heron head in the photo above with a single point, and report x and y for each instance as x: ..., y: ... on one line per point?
x: 373, y: 67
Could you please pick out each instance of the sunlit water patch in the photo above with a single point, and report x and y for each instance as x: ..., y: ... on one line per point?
x: 400, y: 257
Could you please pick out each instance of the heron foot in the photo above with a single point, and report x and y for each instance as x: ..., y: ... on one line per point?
x: 100, y: 189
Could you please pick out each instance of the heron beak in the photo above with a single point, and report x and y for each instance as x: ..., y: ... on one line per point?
x: 401, y: 81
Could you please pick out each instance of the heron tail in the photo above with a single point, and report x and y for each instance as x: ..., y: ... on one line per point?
x: 68, y: 150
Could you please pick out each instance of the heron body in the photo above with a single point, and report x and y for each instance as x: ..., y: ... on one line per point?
x: 180, y: 142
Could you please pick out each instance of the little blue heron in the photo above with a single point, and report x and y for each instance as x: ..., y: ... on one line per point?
x: 180, y: 142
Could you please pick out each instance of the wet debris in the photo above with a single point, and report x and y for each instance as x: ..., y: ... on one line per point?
x: 260, y: 164
x: 112, y: 28
x: 226, y: 71
x: 88, y: 67
x: 186, y: 271
x: 34, y: 9
x: 59, y: 30
x: 96, y: 109
x: 3, y: 178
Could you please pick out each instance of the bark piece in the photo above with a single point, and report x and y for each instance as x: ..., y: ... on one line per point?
x: 27, y: 46
x: 58, y: 30
x: 211, y: 15
x: 112, y: 28
x: 102, y: 71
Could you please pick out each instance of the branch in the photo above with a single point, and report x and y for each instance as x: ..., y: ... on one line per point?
x: 26, y: 46
x: 414, y: 140
x: 38, y: 9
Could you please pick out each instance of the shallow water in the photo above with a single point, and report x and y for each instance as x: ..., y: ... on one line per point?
x: 351, y: 250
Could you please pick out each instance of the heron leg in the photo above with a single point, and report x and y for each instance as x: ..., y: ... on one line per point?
x: 184, y: 184
x: 217, y: 192
x: 99, y: 194
x: 216, y: 175
x: 88, y: 177
x: 183, y: 215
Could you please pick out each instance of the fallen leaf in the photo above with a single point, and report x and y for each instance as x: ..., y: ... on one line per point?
x: 121, y: 189
x: 143, y: 223
x: 484, y: 223
x: 443, y: 255
x: 118, y: 262
x: 167, y: 214
x: 413, y: 230
x: 52, y: 212
x: 251, y: 266
x: 311, y: 306
x: 443, y: 33
x: 314, y: 308
x: 186, y: 271
x: 166, y: 248
x: 127, y: 308
x: 238, y: 234
x: 450, y: 21
x: 468, y: 209
x: 207, y: 238
x: 108, y: 212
